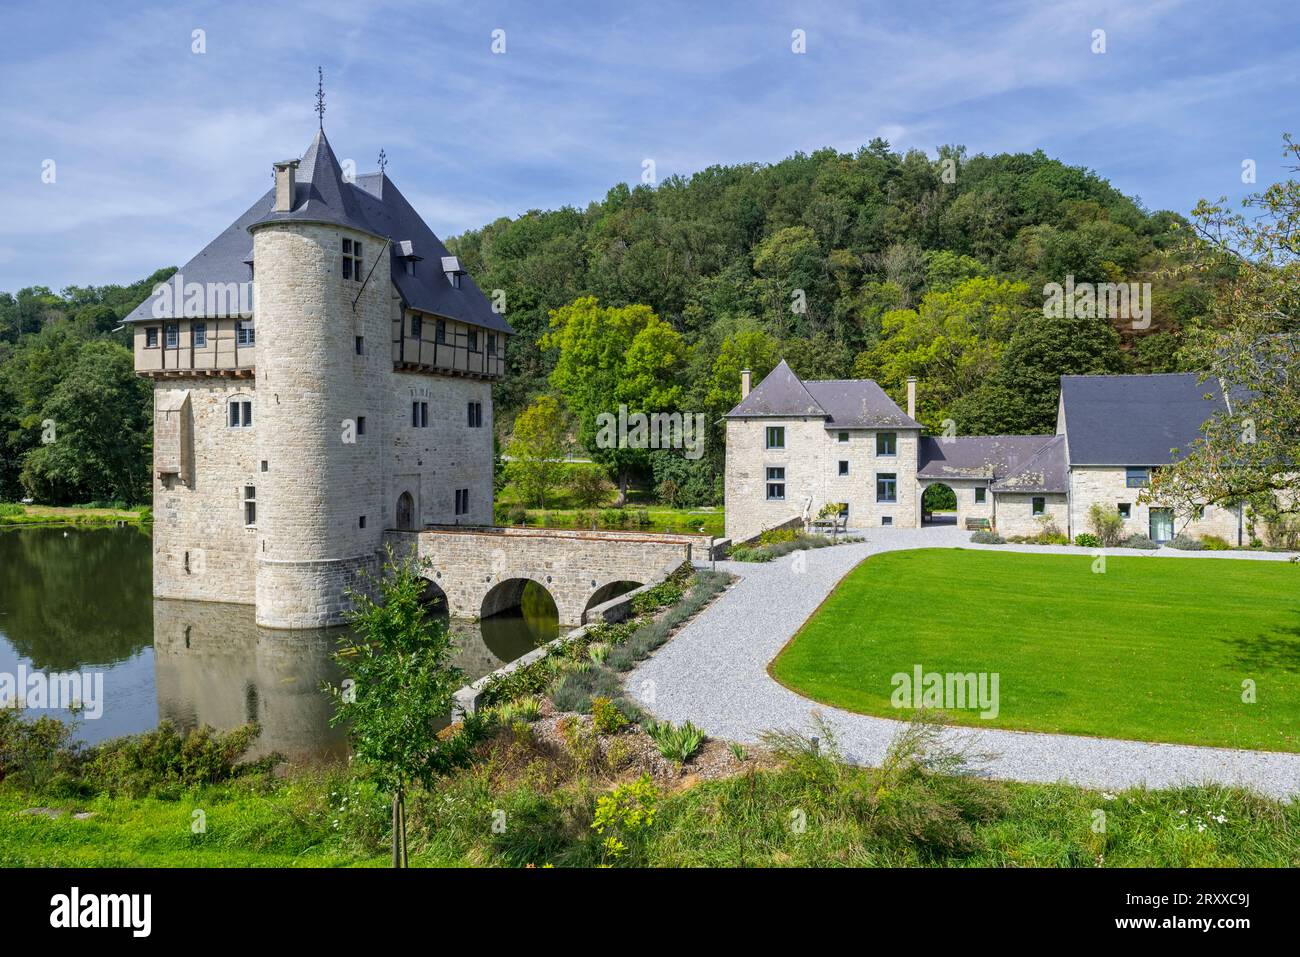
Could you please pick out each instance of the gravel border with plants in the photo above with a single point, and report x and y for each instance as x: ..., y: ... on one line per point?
x: 714, y: 673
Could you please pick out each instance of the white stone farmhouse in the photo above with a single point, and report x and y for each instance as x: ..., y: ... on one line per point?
x: 794, y: 446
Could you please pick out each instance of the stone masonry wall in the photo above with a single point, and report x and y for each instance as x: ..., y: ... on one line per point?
x: 1089, y: 484
x: 201, y: 549
x: 811, y: 460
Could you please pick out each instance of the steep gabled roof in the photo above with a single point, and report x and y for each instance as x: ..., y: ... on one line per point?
x: 858, y: 403
x: 781, y: 393
x: 843, y: 403
x: 372, y: 204
x: 991, y: 458
x: 1135, y: 419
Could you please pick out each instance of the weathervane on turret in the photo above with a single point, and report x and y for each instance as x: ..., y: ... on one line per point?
x: 383, y: 160
x: 320, y: 96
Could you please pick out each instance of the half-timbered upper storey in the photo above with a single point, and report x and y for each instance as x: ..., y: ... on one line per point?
x: 203, y: 321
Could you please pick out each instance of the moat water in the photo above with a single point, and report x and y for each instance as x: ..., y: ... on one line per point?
x: 82, y: 600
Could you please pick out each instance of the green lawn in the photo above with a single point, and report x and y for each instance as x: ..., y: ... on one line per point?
x: 1154, y: 649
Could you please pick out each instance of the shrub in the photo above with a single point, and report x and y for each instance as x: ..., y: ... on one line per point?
x: 517, y: 515
x: 665, y: 593
x: 774, y: 536
x: 606, y: 716
x: 588, y: 486
x: 1214, y: 543
x: 585, y: 519
x: 165, y: 761
x: 613, y: 518
x: 37, y: 754
x: 675, y: 742
x: 642, y: 518
x: 1087, y: 540
x: 1107, y: 524
x: 1186, y: 543
x: 623, y: 816
x: 11, y: 508
x: 983, y: 537
x: 1139, y: 541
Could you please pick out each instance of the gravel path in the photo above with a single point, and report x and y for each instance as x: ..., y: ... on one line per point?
x: 714, y: 673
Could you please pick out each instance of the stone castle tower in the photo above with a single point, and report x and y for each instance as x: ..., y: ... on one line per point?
x: 322, y: 373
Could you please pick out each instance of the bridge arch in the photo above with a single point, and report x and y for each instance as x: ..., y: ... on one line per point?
x: 435, y: 599
x: 607, y: 591
x: 512, y: 593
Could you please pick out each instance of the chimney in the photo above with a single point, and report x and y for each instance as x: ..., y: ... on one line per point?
x: 285, y: 175
x: 744, y: 383
x: 911, y: 397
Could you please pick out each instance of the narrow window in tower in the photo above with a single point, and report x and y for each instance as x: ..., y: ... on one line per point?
x: 361, y: 522
x: 347, y: 259
x: 361, y: 345
x: 241, y: 413
x: 361, y: 425
x: 200, y: 335
x: 250, y: 505
x: 419, y: 415
x: 462, y: 501
x: 474, y: 415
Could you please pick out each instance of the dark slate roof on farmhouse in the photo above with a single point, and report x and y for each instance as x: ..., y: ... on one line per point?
x: 1135, y: 419
x: 372, y: 204
x: 843, y: 403
x: 1013, y: 463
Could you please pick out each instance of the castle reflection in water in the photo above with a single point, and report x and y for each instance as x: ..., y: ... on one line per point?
x: 213, y: 665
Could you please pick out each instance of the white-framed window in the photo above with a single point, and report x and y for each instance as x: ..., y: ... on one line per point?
x: 776, y: 483
x: 844, y: 467
x: 775, y: 437
x: 886, y: 487
x: 172, y: 334
x: 462, y: 501
x: 419, y: 415
x: 981, y: 493
x: 1137, y: 477
x: 250, y: 505
x: 151, y: 337
x: 239, y: 413
x: 886, y: 443
x: 1038, y: 505
x: 200, y: 335
x: 244, y: 333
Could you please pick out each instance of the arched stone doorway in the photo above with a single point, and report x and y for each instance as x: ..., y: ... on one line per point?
x: 405, y: 512
x: 938, y: 504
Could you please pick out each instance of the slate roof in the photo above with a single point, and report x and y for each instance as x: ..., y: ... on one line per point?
x: 1135, y: 419
x: 843, y: 403
x: 371, y: 204
x: 1013, y: 463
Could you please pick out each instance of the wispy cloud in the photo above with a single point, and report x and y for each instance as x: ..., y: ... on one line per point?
x: 158, y: 148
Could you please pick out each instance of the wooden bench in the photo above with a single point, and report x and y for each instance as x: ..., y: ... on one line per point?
x: 978, y: 525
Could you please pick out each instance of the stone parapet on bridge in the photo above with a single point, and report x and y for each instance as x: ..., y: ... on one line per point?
x: 483, y: 570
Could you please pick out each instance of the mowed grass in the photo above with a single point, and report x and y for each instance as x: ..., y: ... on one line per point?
x: 1155, y: 649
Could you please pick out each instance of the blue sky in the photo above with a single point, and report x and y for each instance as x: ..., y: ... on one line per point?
x: 158, y: 148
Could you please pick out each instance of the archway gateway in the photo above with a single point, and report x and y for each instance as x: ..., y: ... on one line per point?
x: 406, y: 512
x: 938, y: 504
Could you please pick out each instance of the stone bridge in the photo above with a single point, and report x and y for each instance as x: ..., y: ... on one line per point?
x: 482, y: 571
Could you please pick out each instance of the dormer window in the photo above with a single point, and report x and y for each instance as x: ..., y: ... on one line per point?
x: 451, y: 268
x: 351, y: 259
